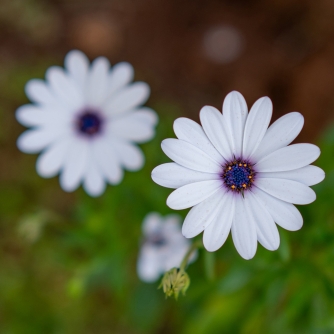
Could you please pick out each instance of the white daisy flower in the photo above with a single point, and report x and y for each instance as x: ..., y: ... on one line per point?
x: 86, y: 120
x: 238, y: 175
x: 163, y: 247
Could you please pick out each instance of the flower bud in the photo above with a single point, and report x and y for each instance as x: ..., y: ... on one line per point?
x: 175, y: 281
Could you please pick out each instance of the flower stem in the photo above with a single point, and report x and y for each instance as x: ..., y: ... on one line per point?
x: 192, y: 248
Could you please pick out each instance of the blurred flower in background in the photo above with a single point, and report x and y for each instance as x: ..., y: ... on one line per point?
x: 85, y: 120
x: 223, y: 44
x: 163, y: 247
x: 239, y: 175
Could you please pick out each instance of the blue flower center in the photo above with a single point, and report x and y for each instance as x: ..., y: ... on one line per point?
x: 89, y: 123
x: 157, y: 240
x: 238, y: 175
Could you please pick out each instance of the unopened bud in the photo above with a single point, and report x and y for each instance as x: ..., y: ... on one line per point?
x: 175, y: 281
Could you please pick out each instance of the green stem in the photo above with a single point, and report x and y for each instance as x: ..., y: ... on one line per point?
x: 192, y: 248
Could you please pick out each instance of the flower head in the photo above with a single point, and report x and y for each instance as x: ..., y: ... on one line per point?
x: 86, y: 120
x: 163, y: 246
x: 175, y: 281
x: 239, y: 175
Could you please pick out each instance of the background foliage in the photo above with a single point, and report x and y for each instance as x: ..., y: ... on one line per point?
x: 68, y: 261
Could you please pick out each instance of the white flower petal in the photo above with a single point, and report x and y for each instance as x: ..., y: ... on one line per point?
x: 218, y: 230
x: 244, y: 233
x: 94, y: 183
x: 189, y: 156
x: 130, y: 156
x: 35, y: 140
x: 32, y: 115
x: 308, y: 175
x: 214, y: 125
x: 121, y: 75
x: 172, y: 175
x: 75, y: 164
x: 176, y: 256
x: 256, y: 125
x: 149, y: 266
x: 77, y: 65
x: 64, y: 88
x: 107, y: 160
x: 267, y: 232
x: 38, y: 91
x: 96, y: 89
x: 152, y: 222
x: 130, y: 129
x: 280, y: 134
x: 287, y: 190
x: 202, y: 215
x: 171, y: 226
x: 142, y: 115
x: 235, y: 113
x: 50, y: 162
x: 284, y: 214
x: 192, y: 194
x: 191, y: 132
x: 127, y: 99
x: 288, y: 158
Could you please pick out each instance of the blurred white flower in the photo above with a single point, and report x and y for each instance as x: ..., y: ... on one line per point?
x: 163, y: 247
x: 238, y: 175
x: 223, y: 44
x: 85, y: 120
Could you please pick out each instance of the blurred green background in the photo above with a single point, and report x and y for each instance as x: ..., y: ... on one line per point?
x: 67, y: 261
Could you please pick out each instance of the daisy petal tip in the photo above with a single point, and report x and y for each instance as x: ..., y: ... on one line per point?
x: 247, y: 256
x: 154, y: 117
x: 94, y: 194
x: 126, y: 67
x: 210, y: 248
x: 154, y: 174
x: 31, y: 86
x: 297, y: 227
x: 144, y: 88
x: 172, y: 204
x: 275, y: 247
x: 117, y: 181
x: 19, y: 114
x: 178, y: 124
x: 42, y: 171
x: 299, y: 118
x: 74, y: 55
x: 206, y: 108
x: 67, y: 189
x: 21, y: 144
x: 187, y: 233
x: 266, y: 100
x: 235, y: 95
x: 167, y: 142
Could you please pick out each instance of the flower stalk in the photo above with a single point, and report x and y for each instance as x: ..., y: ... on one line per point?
x: 177, y: 280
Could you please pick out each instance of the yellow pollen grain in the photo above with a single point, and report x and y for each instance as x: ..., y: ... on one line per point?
x: 240, y: 165
x: 233, y: 187
x: 229, y: 168
x: 245, y: 165
x: 250, y: 176
x: 244, y: 185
